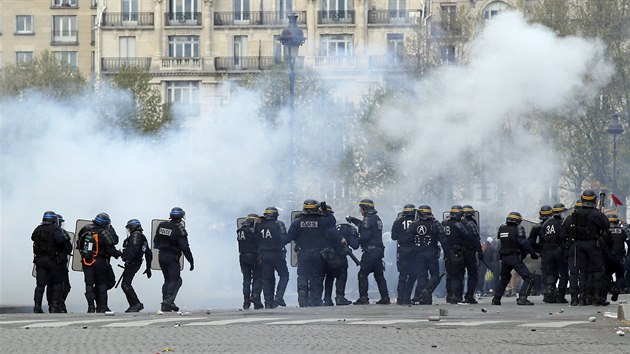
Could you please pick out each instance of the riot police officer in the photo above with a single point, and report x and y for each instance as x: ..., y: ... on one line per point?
x: 472, y: 253
x: 426, y: 232
x: 553, y: 245
x: 405, y: 255
x: 371, y: 241
x: 586, y: 226
x: 272, y: 238
x: 135, y: 247
x: 249, y: 261
x: 336, y: 268
x: 96, y: 245
x: 48, y: 245
x: 513, y: 242
x: 615, y: 238
x: 171, y: 239
x: 457, y: 238
x: 62, y: 259
x: 309, y: 232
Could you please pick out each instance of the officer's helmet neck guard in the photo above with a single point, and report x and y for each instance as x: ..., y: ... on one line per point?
x: 545, y: 212
x: 133, y: 225
x: 367, y: 205
x: 558, y: 209
x: 514, y: 217
x: 409, y: 209
x: 310, y: 206
x: 49, y: 217
x: 613, y: 218
x: 456, y: 212
x: 102, y: 219
x: 271, y: 213
x: 425, y: 212
x: 177, y: 213
x: 469, y: 211
x: 588, y: 199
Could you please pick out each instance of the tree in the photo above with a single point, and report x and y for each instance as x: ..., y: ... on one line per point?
x: 44, y: 74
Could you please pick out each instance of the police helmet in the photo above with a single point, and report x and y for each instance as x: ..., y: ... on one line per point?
x: 578, y: 204
x: 49, y: 217
x: 134, y: 224
x: 545, y: 212
x: 558, y: 209
x: 468, y: 211
x: 588, y: 198
x: 425, y: 212
x: 177, y: 213
x: 366, y: 204
x: 457, y: 212
x: 514, y: 217
x: 60, y: 218
x: 409, y: 209
x: 271, y: 213
x: 102, y: 219
x: 613, y: 218
x: 310, y: 206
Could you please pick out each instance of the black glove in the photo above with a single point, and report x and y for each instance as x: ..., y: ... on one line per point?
x: 353, y: 220
x: 534, y: 255
x: 192, y: 266
x: 147, y: 272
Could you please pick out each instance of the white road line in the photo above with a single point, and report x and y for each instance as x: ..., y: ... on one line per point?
x: 299, y: 322
x: 234, y: 320
x: 153, y: 321
x: 67, y: 323
x: 552, y: 324
x: 24, y: 321
x: 388, y: 322
x: 470, y: 323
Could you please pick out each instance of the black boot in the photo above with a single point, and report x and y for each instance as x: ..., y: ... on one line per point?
x: 470, y: 299
x: 496, y: 301
x: 342, y: 301
x: 575, y: 301
x: 246, y: 302
x: 38, y: 309
x: 614, y: 294
x: 523, y: 301
x: 137, y: 307
x: 328, y: 302
x: 256, y: 301
x: 384, y: 301
x: 280, y: 301
x: 363, y: 300
x: 91, y: 309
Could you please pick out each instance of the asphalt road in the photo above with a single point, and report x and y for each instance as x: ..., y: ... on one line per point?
x: 541, y: 328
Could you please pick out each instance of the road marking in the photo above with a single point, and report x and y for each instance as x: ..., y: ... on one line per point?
x: 387, y: 322
x: 552, y: 324
x: 153, y: 321
x: 234, y: 320
x: 23, y: 321
x: 67, y: 323
x: 470, y: 323
x: 299, y: 322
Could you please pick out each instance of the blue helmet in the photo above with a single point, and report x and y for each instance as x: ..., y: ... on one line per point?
x: 49, y: 217
x: 177, y: 213
x: 102, y: 219
x: 134, y: 224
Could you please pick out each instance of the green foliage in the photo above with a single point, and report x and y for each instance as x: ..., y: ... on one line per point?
x: 146, y: 114
x: 44, y: 74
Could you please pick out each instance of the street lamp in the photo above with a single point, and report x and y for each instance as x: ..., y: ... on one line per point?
x: 614, y: 128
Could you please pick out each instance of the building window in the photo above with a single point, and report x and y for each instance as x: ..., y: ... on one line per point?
x: 93, y: 4
x: 69, y: 58
x: 494, y: 8
x: 24, y: 24
x: 396, y: 5
x: 184, y: 96
x: 340, y: 45
x: 183, y: 46
x: 65, y: 29
x: 285, y: 7
x: 184, y: 10
x: 448, y: 54
x: 241, y: 11
x: 395, y: 48
x: 23, y: 57
x: 130, y: 10
x: 239, y: 49
x: 65, y: 3
x: 127, y: 47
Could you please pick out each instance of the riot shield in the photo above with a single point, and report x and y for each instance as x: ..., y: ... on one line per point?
x: 155, y: 263
x: 294, y: 256
x: 34, y: 271
x: 534, y: 265
x: 447, y: 215
x: 76, y: 255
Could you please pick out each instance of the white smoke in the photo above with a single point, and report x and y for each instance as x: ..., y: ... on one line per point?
x: 59, y: 156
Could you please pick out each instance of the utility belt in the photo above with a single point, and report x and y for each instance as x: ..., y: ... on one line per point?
x: 372, y: 248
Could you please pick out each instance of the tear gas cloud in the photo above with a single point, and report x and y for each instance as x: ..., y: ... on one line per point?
x: 60, y: 156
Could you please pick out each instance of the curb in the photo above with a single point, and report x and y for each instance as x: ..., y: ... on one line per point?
x: 623, y: 312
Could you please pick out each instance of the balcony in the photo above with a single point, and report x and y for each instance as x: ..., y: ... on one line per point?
x: 127, y: 19
x: 335, y: 17
x: 64, y: 37
x: 113, y: 65
x: 195, y: 64
x: 336, y: 62
x: 391, y: 62
x: 256, y: 18
x: 177, y: 19
x: 394, y: 17
x: 68, y: 4
x: 250, y: 63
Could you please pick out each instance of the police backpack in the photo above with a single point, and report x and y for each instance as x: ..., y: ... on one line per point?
x: 89, y: 251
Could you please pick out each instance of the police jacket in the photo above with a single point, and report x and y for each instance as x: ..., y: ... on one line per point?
x: 552, y: 234
x: 171, y: 237
x: 401, y: 231
x: 426, y: 233
x: 105, y: 241
x: 246, y: 237
x: 534, y: 236
x: 513, y: 240
x: 134, y: 247
x: 271, y: 235
x: 48, y: 240
x: 310, y: 231
x: 473, y: 241
x: 615, y: 240
x: 67, y: 244
x: 350, y: 234
x: 586, y: 224
x: 371, y: 231
x: 456, y: 234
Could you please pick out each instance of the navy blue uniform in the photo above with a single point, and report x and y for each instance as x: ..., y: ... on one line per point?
x: 471, y: 252
x: 171, y: 238
x: 50, y: 257
x: 616, y: 239
x: 553, y: 245
x: 513, y: 244
x: 371, y: 242
x: 336, y: 263
x: 426, y: 233
x: 272, y: 238
x: 134, y: 248
x: 405, y: 257
x: 457, y: 238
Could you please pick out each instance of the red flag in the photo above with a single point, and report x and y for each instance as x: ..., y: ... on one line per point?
x: 616, y: 200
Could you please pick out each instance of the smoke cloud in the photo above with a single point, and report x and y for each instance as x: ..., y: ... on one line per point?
x: 461, y: 120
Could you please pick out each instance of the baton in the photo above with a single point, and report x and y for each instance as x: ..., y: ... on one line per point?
x: 121, y: 276
x: 487, y: 266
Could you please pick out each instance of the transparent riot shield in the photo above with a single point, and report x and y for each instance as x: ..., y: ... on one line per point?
x: 155, y: 263
x: 294, y: 256
x: 76, y: 255
x: 71, y: 234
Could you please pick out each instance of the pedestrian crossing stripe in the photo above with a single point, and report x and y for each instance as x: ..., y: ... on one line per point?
x: 143, y: 323
x: 23, y: 321
x: 388, y: 322
x: 471, y: 323
x: 68, y: 323
x: 555, y: 324
x: 235, y: 320
x: 300, y: 322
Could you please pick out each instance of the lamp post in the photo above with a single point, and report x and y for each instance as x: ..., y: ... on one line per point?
x: 614, y: 128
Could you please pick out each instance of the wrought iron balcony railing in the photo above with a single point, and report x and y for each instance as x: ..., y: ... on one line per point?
x: 336, y: 62
x: 127, y: 19
x: 394, y: 17
x: 182, y: 63
x: 255, y: 18
x: 335, y: 17
x: 250, y: 63
x: 182, y: 19
x: 113, y: 65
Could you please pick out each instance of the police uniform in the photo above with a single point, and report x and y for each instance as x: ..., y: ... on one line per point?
x: 49, y: 259
x: 135, y: 247
x: 171, y: 238
x: 336, y: 264
x: 456, y: 236
x: 471, y: 254
x: 616, y: 239
x: 426, y: 233
x: 405, y: 255
x: 272, y: 238
x: 63, y: 258
x: 553, y: 246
